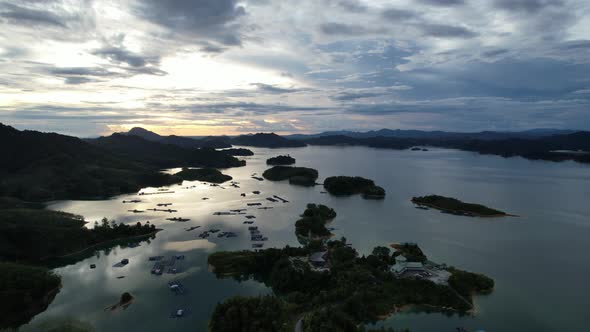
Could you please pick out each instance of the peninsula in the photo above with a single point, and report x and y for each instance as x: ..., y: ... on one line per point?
x: 457, y: 207
x: 203, y: 174
x: 327, y: 286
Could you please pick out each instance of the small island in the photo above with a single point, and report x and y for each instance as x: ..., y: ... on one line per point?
x: 454, y: 206
x: 239, y: 152
x: 301, y: 176
x: 328, y: 286
x: 25, y: 291
x: 312, y: 224
x: 203, y: 174
x: 280, y: 160
x: 349, y: 185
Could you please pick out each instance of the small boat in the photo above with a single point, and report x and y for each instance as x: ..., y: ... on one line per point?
x: 120, y: 277
x: 243, y: 194
x: 254, y: 204
x: 135, y: 211
x: 270, y: 199
x: 93, y: 266
x: 256, y: 192
x: 214, y: 230
x: 265, y: 208
x: 205, y: 198
x: 164, y: 204
x: 124, y: 261
x: 249, y: 222
x: 250, y: 217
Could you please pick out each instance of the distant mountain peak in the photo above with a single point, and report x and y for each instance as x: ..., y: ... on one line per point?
x: 144, y: 133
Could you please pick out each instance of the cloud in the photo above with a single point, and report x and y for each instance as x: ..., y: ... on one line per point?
x: 353, y: 6
x: 28, y: 16
x: 203, y: 20
x: 529, y: 6
x: 341, y: 29
x: 443, y: 3
x: 395, y: 14
x: 268, y: 88
x: 447, y: 31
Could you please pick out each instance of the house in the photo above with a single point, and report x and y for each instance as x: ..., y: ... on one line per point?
x: 318, y: 259
x: 402, y: 267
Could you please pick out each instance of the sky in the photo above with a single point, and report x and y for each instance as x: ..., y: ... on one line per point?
x: 213, y: 67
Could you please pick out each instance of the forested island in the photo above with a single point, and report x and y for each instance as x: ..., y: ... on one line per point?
x: 312, y: 224
x: 25, y: 291
x: 457, y: 207
x: 280, y: 160
x: 203, y: 174
x: 349, y: 185
x: 302, y: 176
x: 329, y: 287
x: 238, y: 152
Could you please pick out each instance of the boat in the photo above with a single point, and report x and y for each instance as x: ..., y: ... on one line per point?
x: 250, y: 217
x: 254, y: 204
x: 270, y: 199
x: 93, y: 266
x: 125, y: 261
x: 243, y: 194
x: 256, y: 192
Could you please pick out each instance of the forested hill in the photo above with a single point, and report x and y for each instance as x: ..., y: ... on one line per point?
x: 44, y: 166
x: 185, y: 142
x: 164, y: 155
x: 571, y: 146
x: 266, y: 140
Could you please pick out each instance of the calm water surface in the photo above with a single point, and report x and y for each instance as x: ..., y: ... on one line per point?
x: 539, y: 260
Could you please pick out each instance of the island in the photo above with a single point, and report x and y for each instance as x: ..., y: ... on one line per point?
x: 454, y: 206
x: 301, y: 176
x: 327, y: 286
x: 280, y: 160
x: 25, y: 291
x: 349, y: 185
x: 203, y: 174
x: 238, y: 152
x: 312, y: 224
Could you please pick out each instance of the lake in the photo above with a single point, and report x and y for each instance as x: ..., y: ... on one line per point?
x: 538, y: 260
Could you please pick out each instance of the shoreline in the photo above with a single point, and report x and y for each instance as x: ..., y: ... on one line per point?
x: 45, y: 259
